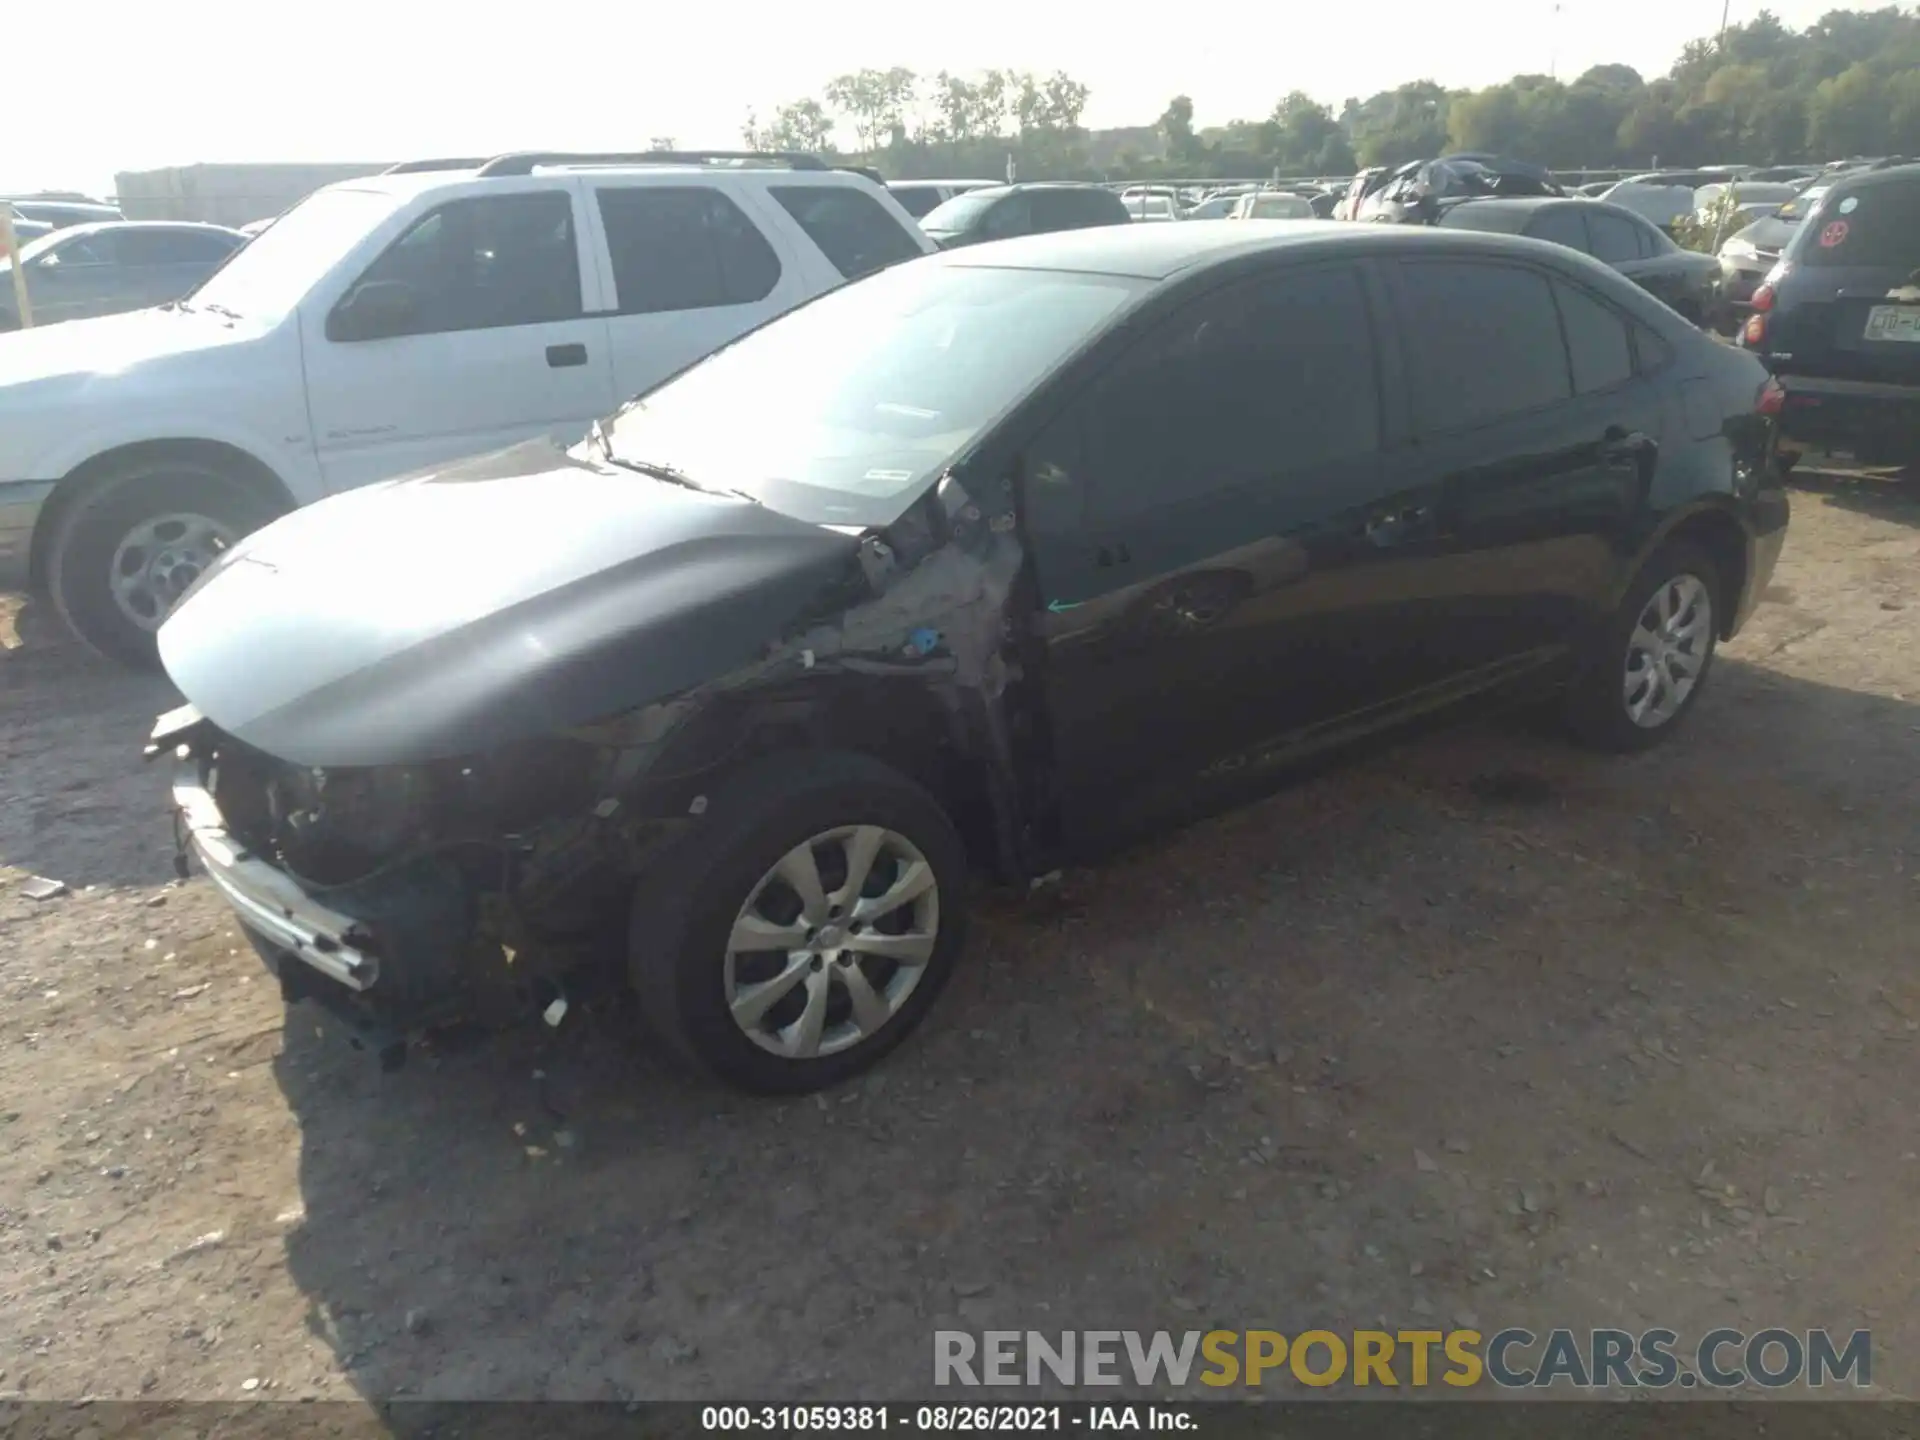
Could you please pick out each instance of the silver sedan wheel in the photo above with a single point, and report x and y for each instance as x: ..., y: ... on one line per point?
x: 1668, y: 650
x: 832, y: 941
x: 159, y: 559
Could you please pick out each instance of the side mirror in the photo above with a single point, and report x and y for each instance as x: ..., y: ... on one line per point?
x: 376, y: 310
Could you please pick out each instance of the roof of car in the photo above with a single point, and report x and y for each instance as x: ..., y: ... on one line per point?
x: 1861, y: 179
x: 96, y: 227
x: 1158, y: 252
x: 409, y: 184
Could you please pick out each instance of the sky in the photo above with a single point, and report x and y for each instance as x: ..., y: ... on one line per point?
x: 364, y: 81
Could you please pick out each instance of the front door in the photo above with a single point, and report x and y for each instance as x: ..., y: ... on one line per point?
x: 1226, y: 554
x: 498, y: 347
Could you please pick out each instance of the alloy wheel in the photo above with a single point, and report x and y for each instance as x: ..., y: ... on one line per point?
x: 832, y: 941
x: 1668, y: 651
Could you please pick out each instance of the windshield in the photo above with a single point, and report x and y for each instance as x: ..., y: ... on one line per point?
x: 1801, y: 203
x: 837, y: 412
x: 270, y: 275
x: 960, y: 212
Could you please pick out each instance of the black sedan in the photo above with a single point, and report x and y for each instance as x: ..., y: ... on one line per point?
x: 1685, y: 279
x: 1027, y: 549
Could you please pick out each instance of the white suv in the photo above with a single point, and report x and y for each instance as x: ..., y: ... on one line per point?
x: 388, y: 325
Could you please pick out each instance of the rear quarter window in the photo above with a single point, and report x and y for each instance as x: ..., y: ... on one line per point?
x: 1876, y: 226
x: 852, y: 229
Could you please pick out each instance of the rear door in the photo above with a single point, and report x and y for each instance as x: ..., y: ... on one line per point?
x: 499, y: 349
x: 1538, y: 450
x: 686, y: 269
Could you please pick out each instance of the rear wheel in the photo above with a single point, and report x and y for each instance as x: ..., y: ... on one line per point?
x: 125, y: 551
x: 806, y: 927
x: 1647, y: 669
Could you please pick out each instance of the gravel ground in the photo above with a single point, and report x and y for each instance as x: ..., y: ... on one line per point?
x: 1479, y: 1031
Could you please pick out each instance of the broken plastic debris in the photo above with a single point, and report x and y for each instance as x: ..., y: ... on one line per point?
x: 606, y: 807
x: 556, y: 1012
x: 699, y: 805
x: 806, y: 659
x: 39, y: 887
x: 1052, y: 877
x: 923, y: 641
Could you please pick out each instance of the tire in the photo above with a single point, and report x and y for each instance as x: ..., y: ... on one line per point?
x: 1598, y: 706
x: 685, y: 914
x: 87, y: 547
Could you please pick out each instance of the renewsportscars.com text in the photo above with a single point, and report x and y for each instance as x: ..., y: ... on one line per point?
x: 1512, y: 1359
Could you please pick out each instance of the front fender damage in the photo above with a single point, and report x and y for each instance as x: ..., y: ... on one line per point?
x: 501, y: 883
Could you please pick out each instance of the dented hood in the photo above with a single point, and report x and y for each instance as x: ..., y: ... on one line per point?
x: 491, y: 602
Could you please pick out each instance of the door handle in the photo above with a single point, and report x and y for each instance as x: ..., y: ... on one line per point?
x: 1618, y: 443
x: 560, y: 357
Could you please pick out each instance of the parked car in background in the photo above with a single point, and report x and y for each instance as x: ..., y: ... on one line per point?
x: 387, y: 325
x: 1359, y: 189
x: 1414, y: 193
x: 1026, y: 550
x: 1687, y: 281
x: 255, y: 227
x: 1659, y: 203
x: 1594, y: 189
x: 1743, y: 201
x: 1837, y: 321
x: 1750, y: 253
x: 1324, y: 203
x: 1217, y: 206
x: 88, y: 270
x: 1001, y: 212
x: 25, y: 230
x: 1273, y: 205
x: 919, y: 197
x: 63, y: 212
x: 1153, y: 204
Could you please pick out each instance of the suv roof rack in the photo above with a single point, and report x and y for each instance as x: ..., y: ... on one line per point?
x: 526, y: 162
x: 422, y: 167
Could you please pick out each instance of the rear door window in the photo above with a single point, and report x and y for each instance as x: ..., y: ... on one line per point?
x: 1616, y: 239
x: 1876, y: 225
x: 1564, y: 226
x: 684, y: 248
x: 1597, y: 345
x: 1481, y: 341
x: 851, y: 228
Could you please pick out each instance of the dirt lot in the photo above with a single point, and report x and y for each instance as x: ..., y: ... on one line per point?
x: 1480, y: 1031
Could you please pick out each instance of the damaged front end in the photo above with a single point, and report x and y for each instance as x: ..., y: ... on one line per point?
x: 412, y: 896
x: 486, y: 886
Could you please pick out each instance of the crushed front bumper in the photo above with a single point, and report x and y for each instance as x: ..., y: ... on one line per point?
x: 268, y: 901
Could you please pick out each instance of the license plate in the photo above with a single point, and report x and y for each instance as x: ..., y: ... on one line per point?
x: 1894, y: 322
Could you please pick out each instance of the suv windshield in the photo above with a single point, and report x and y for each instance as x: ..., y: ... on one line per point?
x: 270, y: 275
x: 1875, y: 225
x: 838, y: 412
x: 959, y: 212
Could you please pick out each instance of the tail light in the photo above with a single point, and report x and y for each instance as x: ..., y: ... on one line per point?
x: 1772, y: 398
x: 1755, y: 331
x: 1763, y: 299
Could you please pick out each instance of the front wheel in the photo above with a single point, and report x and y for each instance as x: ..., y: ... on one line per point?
x: 125, y: 551
x: 807, y: 925
x: 1650, y: 663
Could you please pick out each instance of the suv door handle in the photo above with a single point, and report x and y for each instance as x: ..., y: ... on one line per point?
x: 1618, y: 443
x: 560, y: 357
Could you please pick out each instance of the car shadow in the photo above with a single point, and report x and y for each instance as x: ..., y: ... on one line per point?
x: 1157, y: 1094
x: 1883, y: 494
x: 65, y: 816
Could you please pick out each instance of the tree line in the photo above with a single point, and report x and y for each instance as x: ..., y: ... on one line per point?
x: 1759, y: 92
